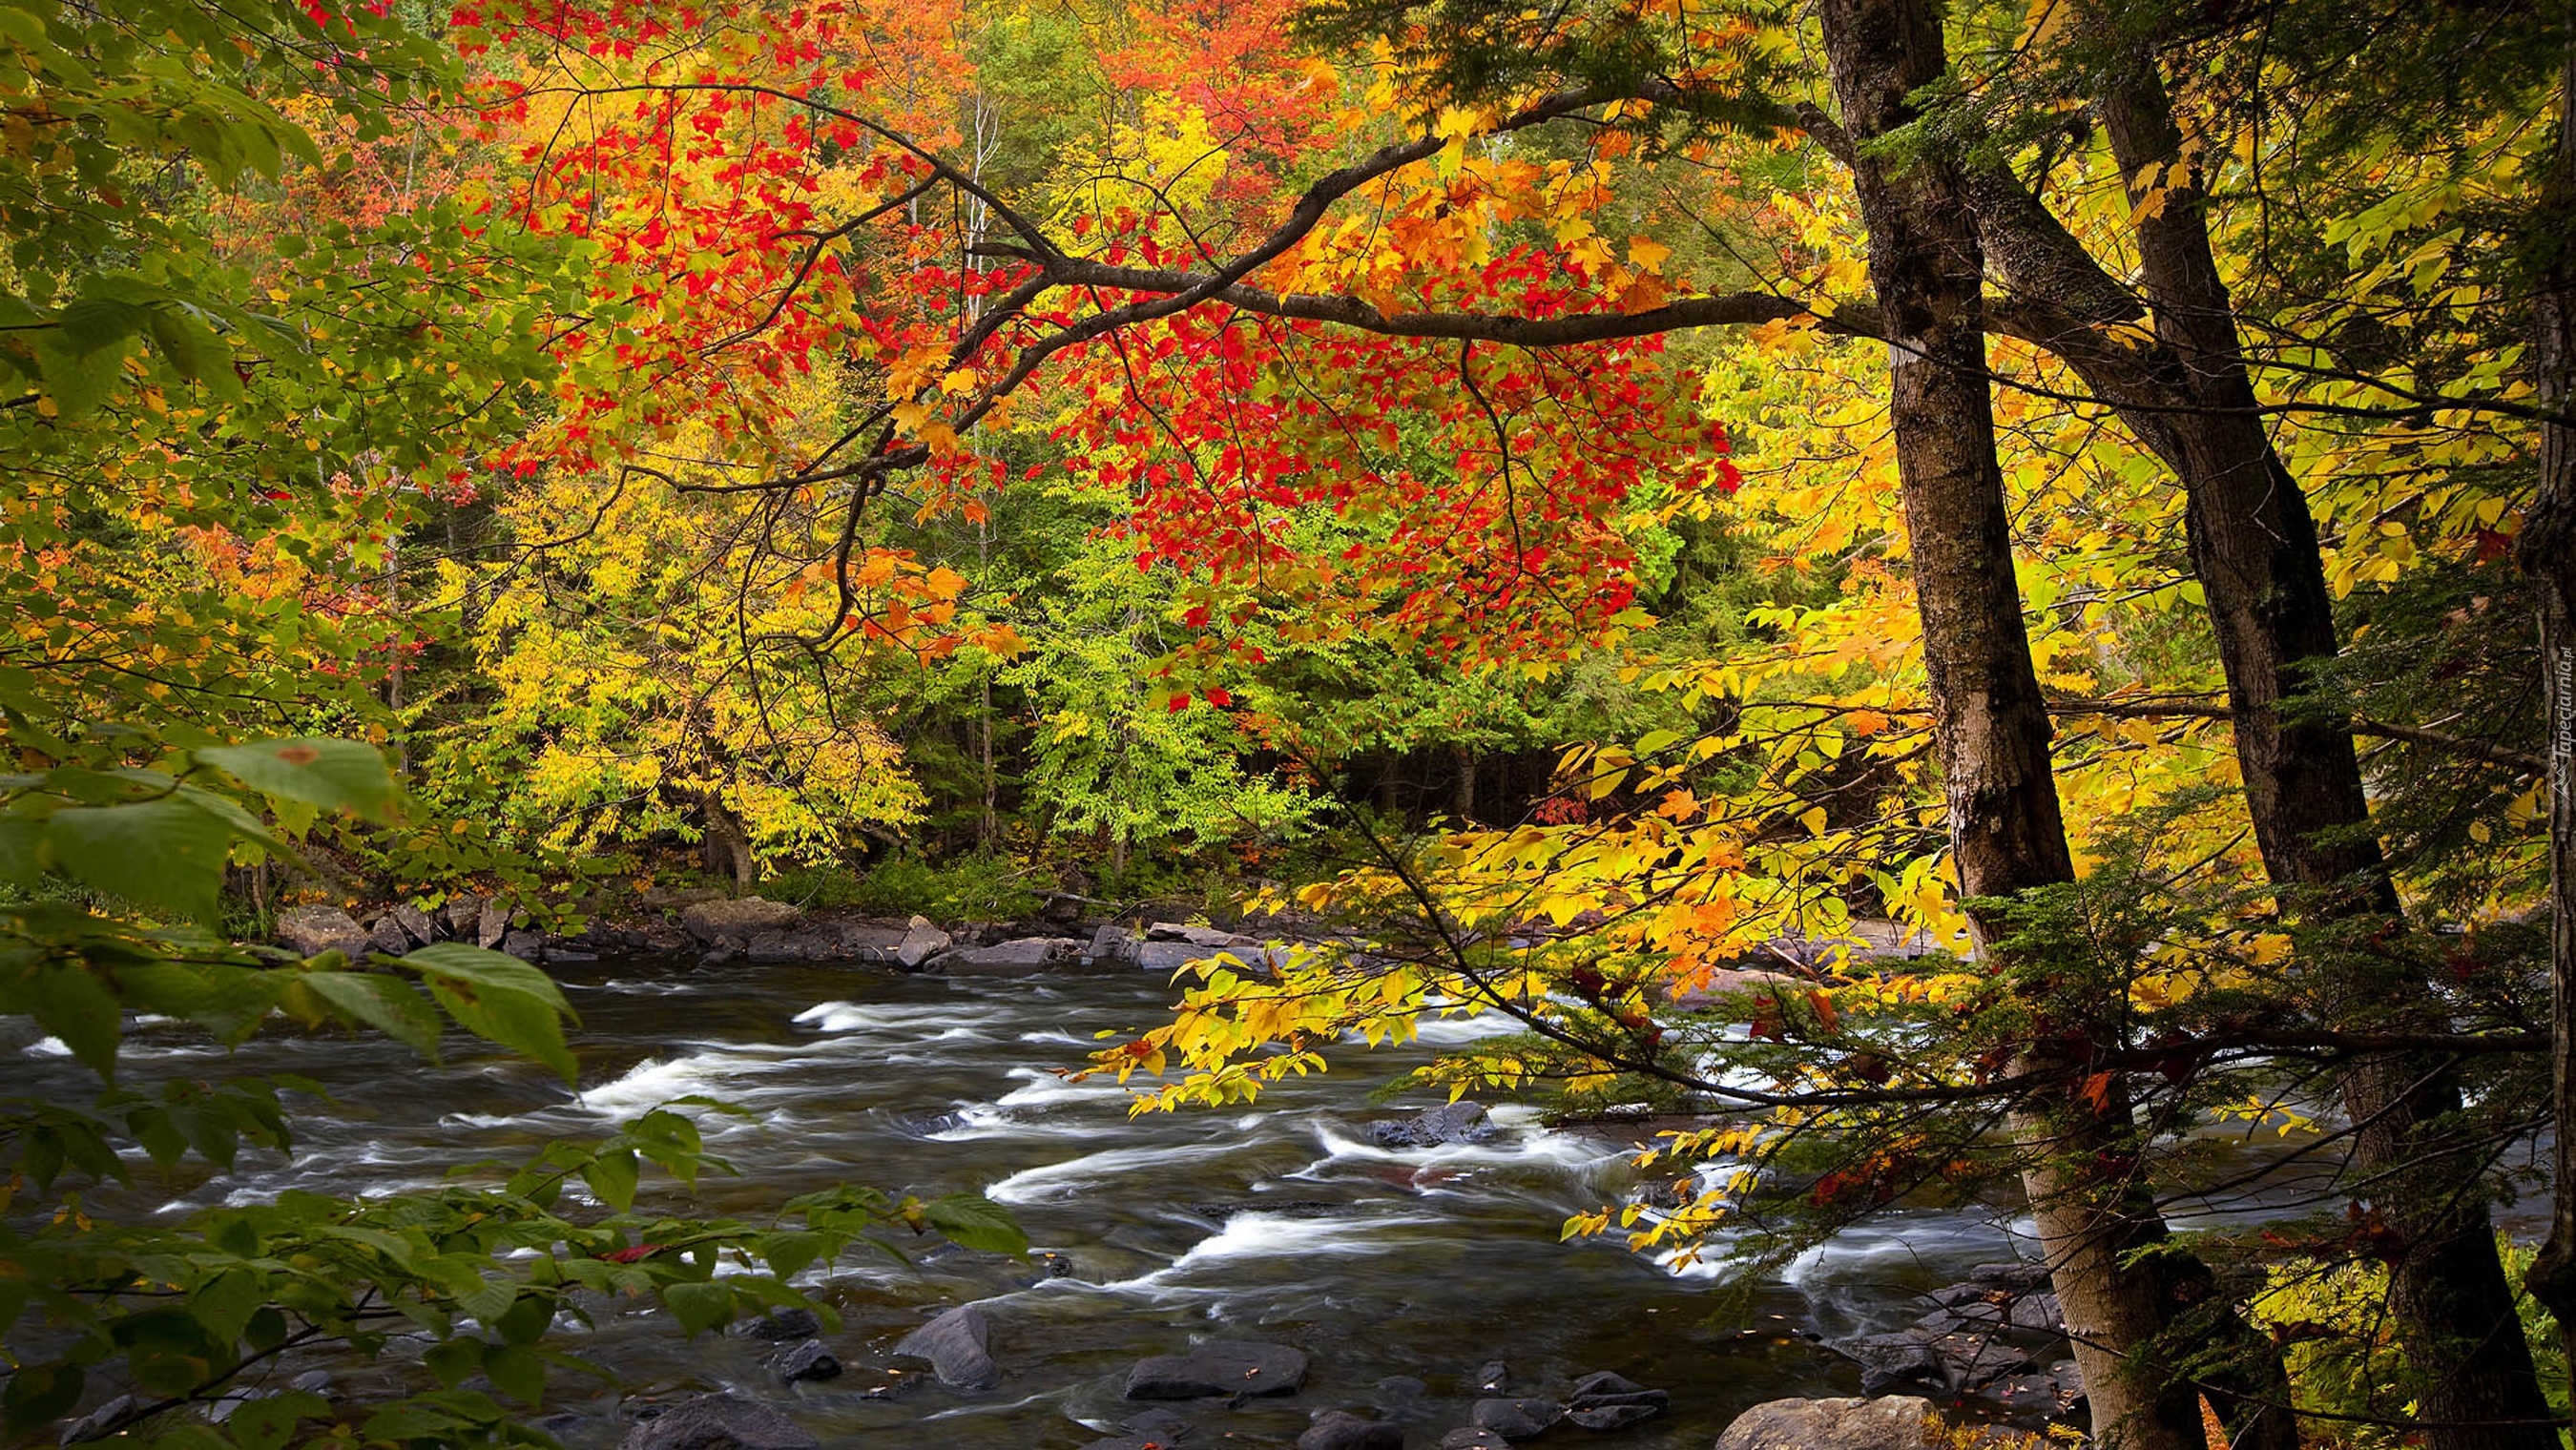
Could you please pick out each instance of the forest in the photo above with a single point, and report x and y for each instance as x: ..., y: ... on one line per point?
x: 1340, y: 723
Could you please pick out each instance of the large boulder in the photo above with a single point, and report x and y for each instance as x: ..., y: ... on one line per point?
x: 1219, y: 1367
x: 1006, y: 959
x: 1899, y: 1422
x: 1114, y: 943
x: 423, y: 928
x: 1458, y: 1122
x: 1606, y: 1401
x: 920, y: 943
x: 958, y: 1345
x: 807, y: 1360
x: 1198, y: 936
x: 313, y: 929
x: 1342, y: 1430
x: 492, y: 923
x: 741, y: 917
x: 462, y: 911
x: 1516, y: 1419
x: 719, y: 1422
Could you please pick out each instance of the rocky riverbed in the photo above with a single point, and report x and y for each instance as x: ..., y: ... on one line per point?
x: 1313, y: 1271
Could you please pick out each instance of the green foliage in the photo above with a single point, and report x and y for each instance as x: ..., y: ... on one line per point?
x: 970, y: 888
x: 2345, y: 1363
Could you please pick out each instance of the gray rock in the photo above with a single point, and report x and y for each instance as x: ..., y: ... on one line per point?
x: 1493, y: 1377
x: 806, y: 1361
x: 719, y: 1422
x: 464, y: 909
x: 492, y: 923
x: 1008, y: 959
x: 312, y: 1382
x: 423, y: 927
x: 94, y: 1425
x: 1892, y: 1362
x: 958, y: 1346
x: 783, y: 1324
x: 1516, y: 1419
x: 1458, y: 1122
x: 387, y: 935
x: 525, y: 945
x: 1900, y: 1422
x: 743, y: 916
x: 1399, y: 1388
x: 311, y: 930
x: 1342, y: 1430
x: 570, y: 956
x: 2018, y: 1275
x: 1163, y: 958
x: 1218, y: 1368
x: 1113, y: 943
x: 1157, y: 1424
x: 1470, y: 1438
x: 1606, y: 1401
x: 922, y: 942
x: 1198, y: 936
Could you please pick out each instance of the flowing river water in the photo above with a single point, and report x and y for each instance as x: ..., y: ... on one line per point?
x: 1280, y: 1221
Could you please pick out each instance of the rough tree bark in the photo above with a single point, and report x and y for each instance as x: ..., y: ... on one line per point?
x: 1991, y: 723
x: 2254, y: 549
x: 2548, y: 556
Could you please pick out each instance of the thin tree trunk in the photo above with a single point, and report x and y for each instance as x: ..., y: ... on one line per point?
x: 2548, y: 554
x: 2254, y: 550
x: 1990, y: 721
x: 1463, y: 794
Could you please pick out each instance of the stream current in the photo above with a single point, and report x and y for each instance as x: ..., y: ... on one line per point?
x: 1281, y: 1221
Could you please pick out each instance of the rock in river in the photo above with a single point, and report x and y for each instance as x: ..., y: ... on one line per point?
x: 313, y: 929
x: 805, y: 1361
x: 1219, y: 1368
x: 1516, y: 1419
x: 712, y: 921
x: 1459, y: 1122
x: 1606, y: 1401
x: 1473, y: 1439
x: 957, y: 1346
x: 1342, y: 1430
x: 1899, y: 1422
x: 719, y: 1422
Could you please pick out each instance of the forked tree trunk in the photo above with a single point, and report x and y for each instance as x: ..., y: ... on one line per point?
x: 1990, y: 721
x: 2548, y: 553
x: 2254, y: 550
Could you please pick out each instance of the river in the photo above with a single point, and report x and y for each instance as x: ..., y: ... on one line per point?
x: 1278, y: 1222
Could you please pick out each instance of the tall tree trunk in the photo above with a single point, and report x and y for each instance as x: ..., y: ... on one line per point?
x: 2548, y: 554
x: 1990, y: 721
x: 728, y: 846
x: 2254, y: 549
x: 1462, y: 800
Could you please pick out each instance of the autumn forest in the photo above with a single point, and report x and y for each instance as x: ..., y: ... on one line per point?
x: 1340, y: 723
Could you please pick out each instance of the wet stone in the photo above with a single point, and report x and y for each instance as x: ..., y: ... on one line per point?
x: 957, y: 1344
x: 1458, y: 1122
x: 1219, y: 1368
x: 1516, y: 1419
x: 1493, y: 1377
x: 719, y: 1422
x: 806, y: 1361
x: 1470, y: 1438
x: 783, y: 1324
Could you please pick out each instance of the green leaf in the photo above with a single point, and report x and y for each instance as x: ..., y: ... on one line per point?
x: 452, y: 1360
x: 390, y: 1005
x: 791, y: 1251
x: 268, y: 1422
x: 339, y: 775
x: 487, y: 968
x: 75, y: 1006
x: 515, y: 1371
x: 612, y: 1176
x: 164, y: 854
x: 698, y: 1304
x: 515, y: 1020
x: 973, y: 1221
x: 39, y: 1393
